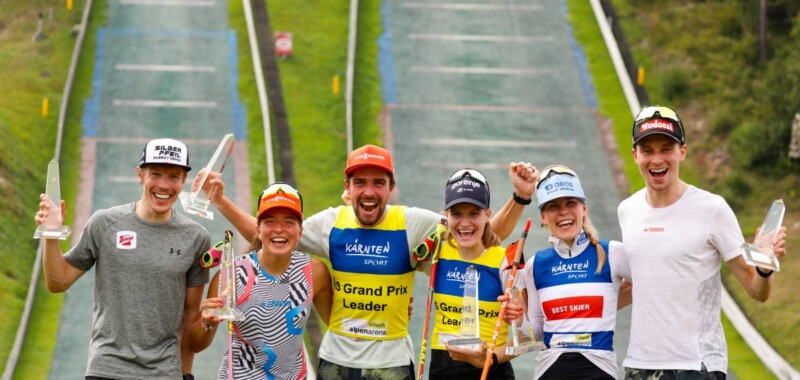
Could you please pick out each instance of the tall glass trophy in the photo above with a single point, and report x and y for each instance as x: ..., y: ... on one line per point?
x: 760, y: 253
x: 518, y: 341
x: 470, y: 334
x: 52, y: 228
x: 192, y: 202
x: 227, y: 282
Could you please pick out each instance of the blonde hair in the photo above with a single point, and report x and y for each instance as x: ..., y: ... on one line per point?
x: 591, y: 233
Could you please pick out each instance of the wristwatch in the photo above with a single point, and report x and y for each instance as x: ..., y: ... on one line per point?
x: 764, y: 274
x: 521, y: 200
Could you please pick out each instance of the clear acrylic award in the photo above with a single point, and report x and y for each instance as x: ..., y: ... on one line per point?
x: 469, y: 337
x: 760, y: 253
x: 192, y: 202
x: 52, y: 228
x: 227, y: 282
x: 518, y: 341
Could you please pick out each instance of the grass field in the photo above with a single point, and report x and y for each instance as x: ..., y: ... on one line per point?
x: 39, y: 342
x: 316, y: 114
x: 29, y: 72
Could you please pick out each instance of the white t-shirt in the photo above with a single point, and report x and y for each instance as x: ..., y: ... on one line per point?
x: 365, y: 353
x: 674, y: 255
x: 618, y: 265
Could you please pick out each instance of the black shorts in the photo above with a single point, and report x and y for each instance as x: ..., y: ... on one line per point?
x: 333, y: 371
x: 444, y: 367
x: 573, y: 365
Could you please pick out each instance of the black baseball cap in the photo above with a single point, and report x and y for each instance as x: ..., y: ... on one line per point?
x: 467, y: 186
x: 658, y: 120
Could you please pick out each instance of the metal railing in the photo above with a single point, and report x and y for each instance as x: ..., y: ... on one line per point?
x: 351, y: 57
x: 262, y: 92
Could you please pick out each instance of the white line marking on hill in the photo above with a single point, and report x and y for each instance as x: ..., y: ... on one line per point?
x: 164, y: 103
x: 124, y: 179
x: 174, y: 68
x: 473, y: 7
x: 487, y: 108
x: 480, y: 70
x: 461, y: 165
x: 476, y: 38
x: 179, y: 3
x: 499, y: 143
x: 143, y: 140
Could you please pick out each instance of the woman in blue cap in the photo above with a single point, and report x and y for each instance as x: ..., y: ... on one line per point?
x: 573, y: 287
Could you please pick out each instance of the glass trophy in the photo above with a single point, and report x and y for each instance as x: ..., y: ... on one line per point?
x: 227, y: 282
x: 518, y: 341
x: 760, y: 253
x: 52, y: 228
x: 469, y: 337
x: 192, y: 202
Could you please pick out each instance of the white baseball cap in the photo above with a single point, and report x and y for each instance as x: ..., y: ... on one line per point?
x: 165, y: 151
x: 558, y: 181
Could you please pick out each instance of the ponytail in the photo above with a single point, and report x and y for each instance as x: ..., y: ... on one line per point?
x: 591, y: 233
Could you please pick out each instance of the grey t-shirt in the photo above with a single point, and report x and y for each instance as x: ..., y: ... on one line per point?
x: 143, y: 271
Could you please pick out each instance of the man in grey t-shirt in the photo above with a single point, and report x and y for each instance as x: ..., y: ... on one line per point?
x: 148, y: 279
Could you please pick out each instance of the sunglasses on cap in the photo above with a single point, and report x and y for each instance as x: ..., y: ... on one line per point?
x: 280, y: 187
x: 553, y: 170
x: 467, y: 172
x: 659, y: 112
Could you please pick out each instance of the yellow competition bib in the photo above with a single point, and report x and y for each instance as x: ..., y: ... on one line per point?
x: 372, y: 276
x: 449, y: 292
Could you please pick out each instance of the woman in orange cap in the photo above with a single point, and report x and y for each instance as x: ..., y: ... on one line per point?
x: 275, y: 289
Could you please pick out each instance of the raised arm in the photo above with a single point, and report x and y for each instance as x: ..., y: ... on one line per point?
x: 214, y: 188
x: 523, y: 176
x: 323, y: 292
x: 59, y: 275
x: 758, y: 284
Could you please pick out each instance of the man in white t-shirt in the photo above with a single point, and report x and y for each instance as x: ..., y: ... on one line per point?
x: 675, y: 235
x: 370, y: 246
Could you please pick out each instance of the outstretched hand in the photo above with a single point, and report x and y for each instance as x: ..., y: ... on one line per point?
x: 523, y: 176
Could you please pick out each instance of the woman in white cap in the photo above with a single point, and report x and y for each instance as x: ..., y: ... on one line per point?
x: 275, y: 288
x: 468, y: 242
x: 573, y: 287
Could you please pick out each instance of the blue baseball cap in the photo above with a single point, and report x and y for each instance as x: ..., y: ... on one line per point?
x: 559, y: 185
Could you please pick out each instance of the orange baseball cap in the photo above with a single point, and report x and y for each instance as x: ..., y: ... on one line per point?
x: 369, y: 155
x: 280, y: 194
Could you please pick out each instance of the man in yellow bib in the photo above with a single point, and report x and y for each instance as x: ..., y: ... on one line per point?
x: 370, y: 246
